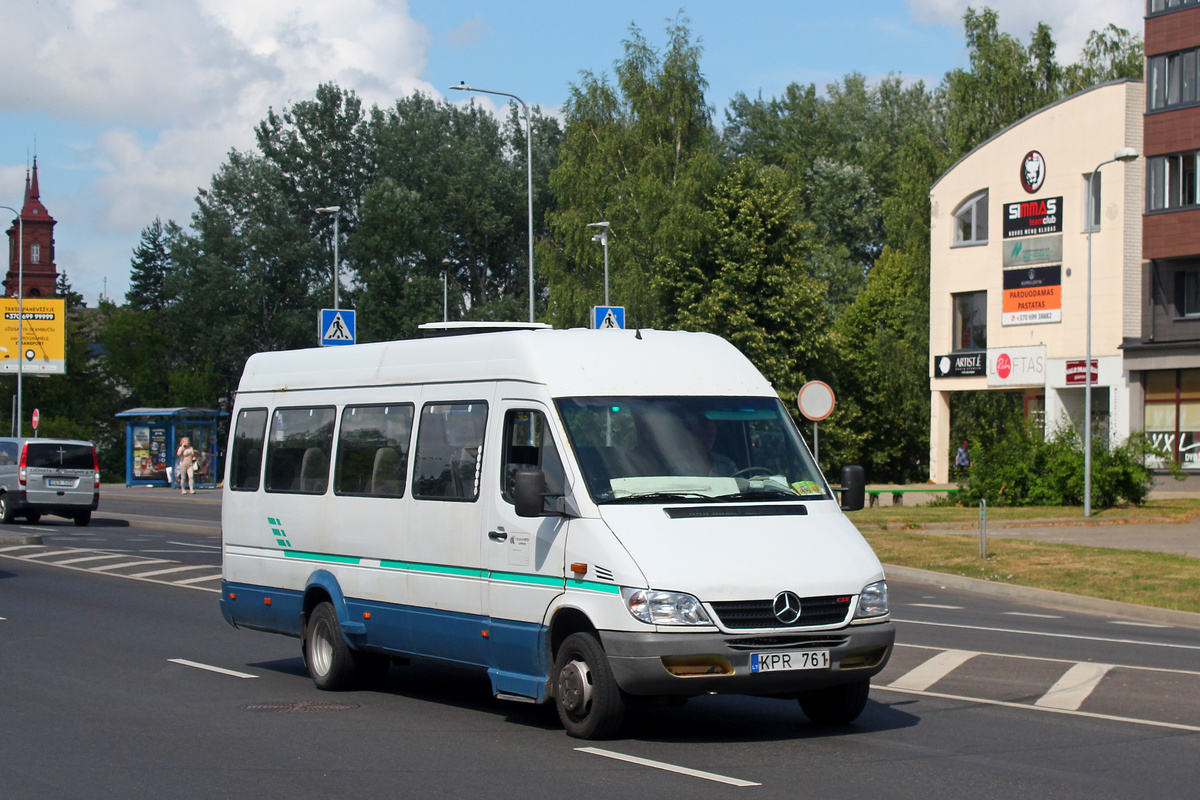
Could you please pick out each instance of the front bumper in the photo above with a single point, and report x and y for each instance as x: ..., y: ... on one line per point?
x: 688, y: 664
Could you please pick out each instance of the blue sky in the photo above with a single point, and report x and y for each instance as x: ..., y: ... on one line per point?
x: 131, y: 106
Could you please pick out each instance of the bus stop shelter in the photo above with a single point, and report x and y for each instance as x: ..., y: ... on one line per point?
x: 152, y: 436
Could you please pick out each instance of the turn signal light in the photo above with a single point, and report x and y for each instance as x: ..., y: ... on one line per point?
x: 579, y: 569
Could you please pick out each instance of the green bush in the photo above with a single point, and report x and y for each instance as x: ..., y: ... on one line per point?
x: 1022, y: 469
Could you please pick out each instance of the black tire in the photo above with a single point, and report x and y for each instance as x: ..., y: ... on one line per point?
x: 589, y: 702
x: 836, y: 705
x: 82, y: 518
x: 330, y: 661
x: 33, y: 518
x: 6, y: 512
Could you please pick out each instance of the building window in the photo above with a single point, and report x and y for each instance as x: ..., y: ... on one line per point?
x: 971, y: 221
x: 1173, y: 80
x: 1159, y: 6
x: 1092, y: 204
x: 1187, y: 294
x: 1171, y: 181
x: 970, y: 321
x: 35, y: 253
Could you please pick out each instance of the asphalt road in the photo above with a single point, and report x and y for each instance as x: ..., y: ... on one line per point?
x: 115, y: 682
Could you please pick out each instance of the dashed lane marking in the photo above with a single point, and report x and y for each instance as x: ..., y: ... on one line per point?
x: 1075, y: 686
x: 210, y: 668
x: 645, y: 762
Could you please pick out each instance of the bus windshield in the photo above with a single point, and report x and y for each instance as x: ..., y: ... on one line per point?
x: 689, y: 449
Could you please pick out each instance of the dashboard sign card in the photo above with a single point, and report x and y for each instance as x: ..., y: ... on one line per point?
x: 1033, y: 217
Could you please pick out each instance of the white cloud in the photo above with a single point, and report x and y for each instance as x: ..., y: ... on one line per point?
x: 1070, y: 22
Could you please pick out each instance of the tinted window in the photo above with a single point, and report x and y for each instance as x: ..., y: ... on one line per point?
x: 449, y: 445
x: 528, y: 443
x: 298, y: 450
x: 245, y: 462
x: 372, y: 454
x: 47, y: 455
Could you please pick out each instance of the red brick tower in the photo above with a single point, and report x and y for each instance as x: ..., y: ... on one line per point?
x: 37, y: 254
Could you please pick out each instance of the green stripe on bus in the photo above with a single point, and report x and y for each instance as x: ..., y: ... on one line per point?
x: 442, y: 569
x: 594, y: 586
x: 322, y: 557
x: 521, y: 577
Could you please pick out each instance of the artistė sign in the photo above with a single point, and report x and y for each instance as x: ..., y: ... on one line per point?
x: 1016, y: 366
x: 1032, y: 296
x: 959, y: 365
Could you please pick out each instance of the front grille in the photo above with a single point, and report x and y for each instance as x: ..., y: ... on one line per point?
x: 787, y: 642
x: 740, y: 614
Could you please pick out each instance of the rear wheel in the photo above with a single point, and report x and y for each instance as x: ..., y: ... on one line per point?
x: 33, y: 518
x: 836, y: 705
x: 82, y: 518
x: 590, y: 704
x: 6, y: 512
x: 330, y: 661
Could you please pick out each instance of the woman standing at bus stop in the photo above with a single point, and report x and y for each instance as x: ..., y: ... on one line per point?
x: 187, y: 465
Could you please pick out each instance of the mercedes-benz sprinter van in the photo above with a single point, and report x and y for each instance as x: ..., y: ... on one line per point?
x: 589, y: 516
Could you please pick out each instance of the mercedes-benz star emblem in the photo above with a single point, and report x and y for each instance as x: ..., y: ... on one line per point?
x: 786, y: 607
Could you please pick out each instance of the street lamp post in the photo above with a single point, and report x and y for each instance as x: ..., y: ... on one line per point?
x: 20, y: 310
x: 337, y: 215
x: 463, y: 87
x: 602, y: 238
x: 1124, y: 154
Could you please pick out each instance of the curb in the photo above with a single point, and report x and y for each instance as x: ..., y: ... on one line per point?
x: 19, y: 539
x: 1047, y: 597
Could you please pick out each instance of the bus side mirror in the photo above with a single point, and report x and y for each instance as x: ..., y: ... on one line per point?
x: 529, y: 491
x: 854, y: 488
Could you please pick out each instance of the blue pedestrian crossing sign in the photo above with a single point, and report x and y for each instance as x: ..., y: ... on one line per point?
x: 608, y: 317
x: 336, y: 326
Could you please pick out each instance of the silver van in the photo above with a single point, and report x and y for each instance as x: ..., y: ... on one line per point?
x: 48, y: 476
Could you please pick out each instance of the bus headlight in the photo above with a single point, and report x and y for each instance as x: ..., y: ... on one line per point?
x: 664, y: 608
x: 872, y: 601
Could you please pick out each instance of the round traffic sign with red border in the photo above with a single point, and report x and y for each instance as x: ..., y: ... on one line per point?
x: 816, y: 400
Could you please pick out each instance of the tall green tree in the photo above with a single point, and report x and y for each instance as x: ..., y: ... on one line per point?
x: 642, y: 155
x: 150, y: 265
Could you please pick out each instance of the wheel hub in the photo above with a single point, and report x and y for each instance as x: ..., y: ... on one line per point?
x: 575, y: 686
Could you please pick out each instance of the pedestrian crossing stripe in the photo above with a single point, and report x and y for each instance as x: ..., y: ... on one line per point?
x: 337, y: 330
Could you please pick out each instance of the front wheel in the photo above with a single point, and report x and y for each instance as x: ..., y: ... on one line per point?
x: 589, y: 702
x: 82, y: 518
x: 329, y: 659
x: 835, y: 705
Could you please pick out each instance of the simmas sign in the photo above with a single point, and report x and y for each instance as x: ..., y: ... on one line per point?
x: 1033, y: 217
x: 39, y: 345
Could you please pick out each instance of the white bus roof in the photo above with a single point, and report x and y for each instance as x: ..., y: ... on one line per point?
x: 570, y: 363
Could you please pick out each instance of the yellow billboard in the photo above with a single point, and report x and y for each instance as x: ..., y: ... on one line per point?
x: 42, y: 349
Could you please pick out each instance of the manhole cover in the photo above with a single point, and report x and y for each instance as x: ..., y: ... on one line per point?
x: 300, y: 707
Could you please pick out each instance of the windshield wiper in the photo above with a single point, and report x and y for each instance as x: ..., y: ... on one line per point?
x: 758, y: 494
x: 660, y: 497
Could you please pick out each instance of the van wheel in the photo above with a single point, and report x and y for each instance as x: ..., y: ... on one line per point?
x: 329, y: 659
x: 6, y: 512
x: 33, y: 518
x: 836, y: 705
x: 590, y: 704
x: 82, y: 518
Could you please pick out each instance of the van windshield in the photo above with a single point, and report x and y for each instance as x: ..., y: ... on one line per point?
x: 49, y: 455
x: 684, y: 449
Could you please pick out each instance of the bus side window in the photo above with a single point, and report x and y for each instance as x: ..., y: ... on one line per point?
x: 528, y: 443
x: 298, y: 449
x: 449, y: 447
x: 372, y: 451
x: 245, y: 462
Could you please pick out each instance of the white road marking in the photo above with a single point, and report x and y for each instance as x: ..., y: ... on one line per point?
x: 88, y: 558
x: 201, y: 579
x: 645, y: 762
x: 1057, y: 660
x: 21, y: 547
x: 1035, y: 616
x: 167, y: 571
x: 927, y: 674
x: 1075, y: 686
x: 934, y: 605
x: 1006, y: 704
x: 1132, y: 624
x: 46, y: 553
x: 210, y: 668
x: 1051, y: 634
x: 141, y: 562
x: 189, y: 544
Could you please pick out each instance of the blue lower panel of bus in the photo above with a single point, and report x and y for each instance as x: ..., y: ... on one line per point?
x: 514, y: 653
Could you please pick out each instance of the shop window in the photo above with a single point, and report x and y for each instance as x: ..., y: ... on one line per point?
x: 970, y: 321
x: 971, y: 221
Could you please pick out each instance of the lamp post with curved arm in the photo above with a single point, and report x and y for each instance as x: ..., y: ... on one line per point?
x: 463, y: 87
